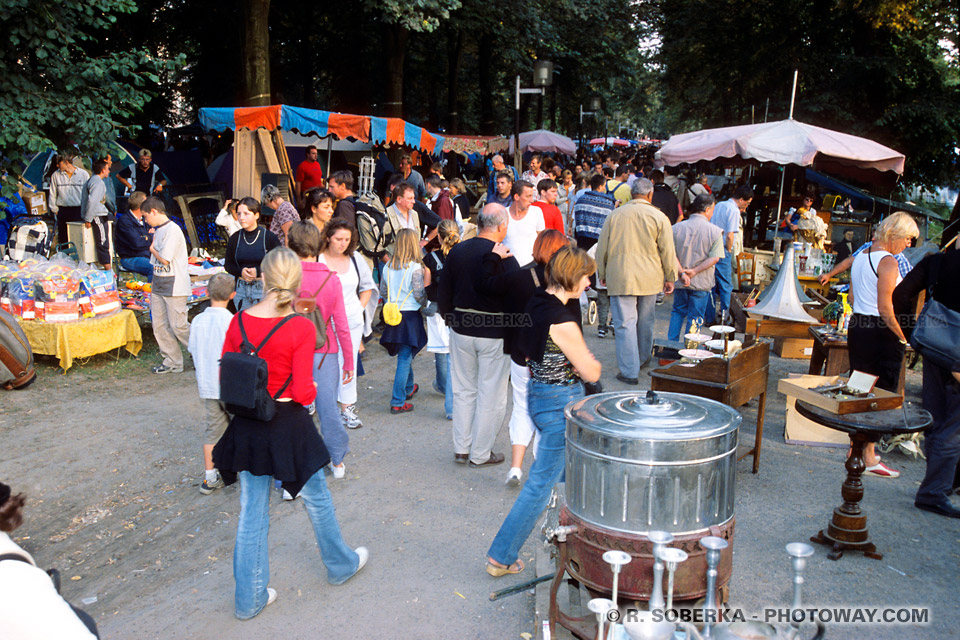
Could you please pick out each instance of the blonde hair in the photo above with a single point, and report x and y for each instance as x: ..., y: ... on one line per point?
x: 282, y: 273
x: 897, y: 225
x: 457, y: 183
x: 407, y: 250
x: 567, y: 267
x: 449, y: 234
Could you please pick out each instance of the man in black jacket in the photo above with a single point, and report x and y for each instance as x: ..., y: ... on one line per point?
x: 132, y: 238
x: 473, y: 310
x: 664, y: 198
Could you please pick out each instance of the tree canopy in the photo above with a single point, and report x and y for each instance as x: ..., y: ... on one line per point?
x: 65, y: 83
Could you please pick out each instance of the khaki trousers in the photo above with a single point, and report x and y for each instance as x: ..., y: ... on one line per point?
x: 170, y: 325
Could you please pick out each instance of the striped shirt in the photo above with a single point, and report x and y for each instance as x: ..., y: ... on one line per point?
x: 590, y: 212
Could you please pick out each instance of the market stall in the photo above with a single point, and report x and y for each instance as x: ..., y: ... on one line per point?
x: 66, y: 309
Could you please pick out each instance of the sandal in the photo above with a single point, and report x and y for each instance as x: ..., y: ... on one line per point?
x: 498, y: 570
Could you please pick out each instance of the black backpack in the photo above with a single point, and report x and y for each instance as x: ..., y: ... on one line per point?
x: 243, y: 379
x: 372, y: 234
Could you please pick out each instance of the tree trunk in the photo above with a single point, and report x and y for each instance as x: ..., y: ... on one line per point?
x: 454, y: 55
x: 396, y: 38
x: 485, y: 72
x: 256, y: 53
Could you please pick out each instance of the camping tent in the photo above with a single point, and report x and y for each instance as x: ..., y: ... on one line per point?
x: 39, y: 166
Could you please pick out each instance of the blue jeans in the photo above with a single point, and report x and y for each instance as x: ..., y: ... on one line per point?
x: 545, y: 402
x: 248, y: 294
x: 687, y: 305
x: 251, y: 566
x: 403, y: 380
x: 139, y: 265
x: 723, y: 274
x: 442, y: 362
x: 334, y: 433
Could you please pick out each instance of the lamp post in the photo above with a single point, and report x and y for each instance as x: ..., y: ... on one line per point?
x: 542, y: 78
x: 594, y: 106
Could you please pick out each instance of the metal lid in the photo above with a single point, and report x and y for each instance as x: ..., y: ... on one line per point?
x: 633, y: 415
x: 655, y: 427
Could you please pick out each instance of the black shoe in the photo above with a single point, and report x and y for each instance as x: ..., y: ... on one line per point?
x: 495, y: 458
x: 624, y: 379
x: 941, y: 508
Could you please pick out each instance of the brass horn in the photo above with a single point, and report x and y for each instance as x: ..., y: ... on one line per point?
x: 781, y: 299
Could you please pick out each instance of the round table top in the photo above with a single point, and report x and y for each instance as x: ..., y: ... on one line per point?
x: 908, y: 419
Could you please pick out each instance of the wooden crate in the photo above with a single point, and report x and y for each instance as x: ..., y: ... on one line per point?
x: 799, y: 388
x: 794, y: 348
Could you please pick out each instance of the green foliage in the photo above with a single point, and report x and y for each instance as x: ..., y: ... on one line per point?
x: 64, y: 83
x: 413, y: 15
x: 873, y: 68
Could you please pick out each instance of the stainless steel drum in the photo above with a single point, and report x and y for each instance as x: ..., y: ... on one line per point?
x: 657, y: 461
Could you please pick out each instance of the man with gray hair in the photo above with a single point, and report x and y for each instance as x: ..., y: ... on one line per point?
x: 473, y: 310
x: 636, y: 259
x: 498, y: 166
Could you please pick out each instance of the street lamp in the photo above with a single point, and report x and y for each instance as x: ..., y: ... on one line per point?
x: 594, y: 105
x: 542, y: 78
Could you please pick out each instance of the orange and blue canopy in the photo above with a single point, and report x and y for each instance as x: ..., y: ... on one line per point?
x: 322, y: 123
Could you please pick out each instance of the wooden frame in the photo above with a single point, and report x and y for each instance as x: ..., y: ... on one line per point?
x: 184, y: 203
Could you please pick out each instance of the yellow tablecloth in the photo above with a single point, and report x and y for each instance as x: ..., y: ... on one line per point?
x: 85, y: 338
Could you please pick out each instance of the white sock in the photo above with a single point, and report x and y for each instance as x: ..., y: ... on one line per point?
x: 211, y: 475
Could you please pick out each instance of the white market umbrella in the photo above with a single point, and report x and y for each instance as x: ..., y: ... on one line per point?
x: 543, y: 140
x: 783, y: 142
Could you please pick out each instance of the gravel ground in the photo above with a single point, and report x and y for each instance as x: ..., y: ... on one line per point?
x: 109, y: 456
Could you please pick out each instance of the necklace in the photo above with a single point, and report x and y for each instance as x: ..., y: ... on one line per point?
x: 257, y: 237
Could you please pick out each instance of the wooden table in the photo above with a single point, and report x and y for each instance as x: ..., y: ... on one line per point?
x: 734, y: 382
x: 831, y: 351
x: 847, y: 530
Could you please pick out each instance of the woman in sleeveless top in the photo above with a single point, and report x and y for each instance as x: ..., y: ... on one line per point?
x: 875, y: 339
x: 559, y: 360
x: 287, y: 448
x: 245, y: 250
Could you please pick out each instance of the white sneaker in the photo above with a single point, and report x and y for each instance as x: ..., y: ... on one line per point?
x: 513, y: 478
x: 338, y: 471
x: 287, y: 496
x: 271, y: 595
x: 364, y: 556
x: 350, y: 418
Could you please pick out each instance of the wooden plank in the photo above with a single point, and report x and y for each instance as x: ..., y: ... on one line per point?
x: 269, y: 151
x: 188, y: 221
x: 246, y: 180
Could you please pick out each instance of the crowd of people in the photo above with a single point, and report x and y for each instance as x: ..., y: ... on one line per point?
x: 498, y: 303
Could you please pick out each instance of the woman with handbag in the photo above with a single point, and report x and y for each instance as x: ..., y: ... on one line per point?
x: 937, y: 339
x: 558, y: 358
x: 338, y: 246
x: 438, y: 334
x: 403, y: 288
x: 874, y: 338
x: 287, y: 447
x: 245, y: 250
x: 321, y: 291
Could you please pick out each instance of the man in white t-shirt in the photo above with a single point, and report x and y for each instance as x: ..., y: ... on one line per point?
x: 525, y: 222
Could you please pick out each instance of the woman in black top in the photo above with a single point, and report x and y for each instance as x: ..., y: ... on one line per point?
x: 559, y: 359
x: 522, y: 285
x: 245, y: 251
x: 941, y: 386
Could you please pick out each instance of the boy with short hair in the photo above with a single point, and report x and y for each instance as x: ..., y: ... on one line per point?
x: 207, y: 333
x: 171, y: 286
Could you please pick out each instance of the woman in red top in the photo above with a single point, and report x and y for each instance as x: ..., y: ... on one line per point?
x: 287, y: 448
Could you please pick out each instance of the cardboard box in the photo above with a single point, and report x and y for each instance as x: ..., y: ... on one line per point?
x: 36, y: 203
x: 800, y: 348
x: 800, y: 430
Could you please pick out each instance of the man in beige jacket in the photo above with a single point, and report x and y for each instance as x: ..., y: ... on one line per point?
x: 636, y: 259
